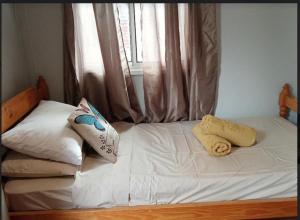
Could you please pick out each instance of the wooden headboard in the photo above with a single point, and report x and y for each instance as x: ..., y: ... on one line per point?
x: 18, y: 106
x: 286, y: 101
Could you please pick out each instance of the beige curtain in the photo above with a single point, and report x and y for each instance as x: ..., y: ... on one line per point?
x: 100, y: 64
x: 72, y: 93
x: 180, y: 60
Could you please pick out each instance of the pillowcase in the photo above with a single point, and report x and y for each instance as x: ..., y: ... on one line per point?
x: 93, y: 127
x: 21, y: 165
x: 45, y: 133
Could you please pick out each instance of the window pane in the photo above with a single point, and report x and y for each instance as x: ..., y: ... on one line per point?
x: 124, y: 23
x: 138, y: 32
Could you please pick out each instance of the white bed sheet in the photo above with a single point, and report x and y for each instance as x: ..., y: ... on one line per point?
x: 164, y: 163
x: 39, y: 194
x: 169, y: 165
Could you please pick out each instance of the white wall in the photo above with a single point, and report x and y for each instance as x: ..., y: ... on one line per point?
x: 14, y: 71
x: 259, y: 55
x: 42, y: 31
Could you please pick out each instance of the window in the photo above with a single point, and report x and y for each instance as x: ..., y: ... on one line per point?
x: 124, y: 17
x: 130, y: 22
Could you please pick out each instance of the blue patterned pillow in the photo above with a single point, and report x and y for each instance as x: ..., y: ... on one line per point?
x: 93, y: 127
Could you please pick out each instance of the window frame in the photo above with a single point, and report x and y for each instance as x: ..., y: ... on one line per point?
x: 135, y: 66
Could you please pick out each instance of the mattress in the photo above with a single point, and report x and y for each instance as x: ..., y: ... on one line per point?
x: 163, y: 163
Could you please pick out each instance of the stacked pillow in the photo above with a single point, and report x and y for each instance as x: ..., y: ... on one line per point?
x: 48, y: 142
x: 21, y: 165
x: 47, y: 139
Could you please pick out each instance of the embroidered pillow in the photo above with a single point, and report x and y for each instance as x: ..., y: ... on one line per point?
x: 93, y: 127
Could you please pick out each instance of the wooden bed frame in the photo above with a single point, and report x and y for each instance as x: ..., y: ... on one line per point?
x: 19, y: 106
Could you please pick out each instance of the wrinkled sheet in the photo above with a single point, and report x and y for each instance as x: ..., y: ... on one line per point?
x: 169, y: 165
x: 164, y: 163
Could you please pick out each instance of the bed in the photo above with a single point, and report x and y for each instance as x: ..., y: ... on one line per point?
x: 163, y: 172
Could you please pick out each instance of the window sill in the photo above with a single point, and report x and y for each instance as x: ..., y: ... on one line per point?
x: 136, y: 70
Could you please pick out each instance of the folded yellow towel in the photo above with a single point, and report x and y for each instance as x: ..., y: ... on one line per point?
x: 215, y: 145
x: 237, y: 134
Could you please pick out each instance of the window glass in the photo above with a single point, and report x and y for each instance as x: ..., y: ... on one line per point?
x: 138, y: 32
x: 124, y: 23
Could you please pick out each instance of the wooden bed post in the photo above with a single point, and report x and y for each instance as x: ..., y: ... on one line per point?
x: 285, y: 92
x: 42, y: 88
x: 286, y: 101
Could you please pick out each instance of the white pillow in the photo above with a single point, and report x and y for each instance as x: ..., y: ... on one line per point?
x: 46, y: 133
x: 21, y: 165
x: 91, y: 125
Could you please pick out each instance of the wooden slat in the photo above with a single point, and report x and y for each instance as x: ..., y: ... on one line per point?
x: 243, y: 209
x: 15, y: 108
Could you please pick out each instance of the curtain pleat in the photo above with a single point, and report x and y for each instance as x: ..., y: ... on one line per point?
x: 120, y: 87
x: 72, y: 93
x: 154, y: 70
x: 100, y: 64
x: 176, y: 104
x: 180, y: 61
x: 202, y: 59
